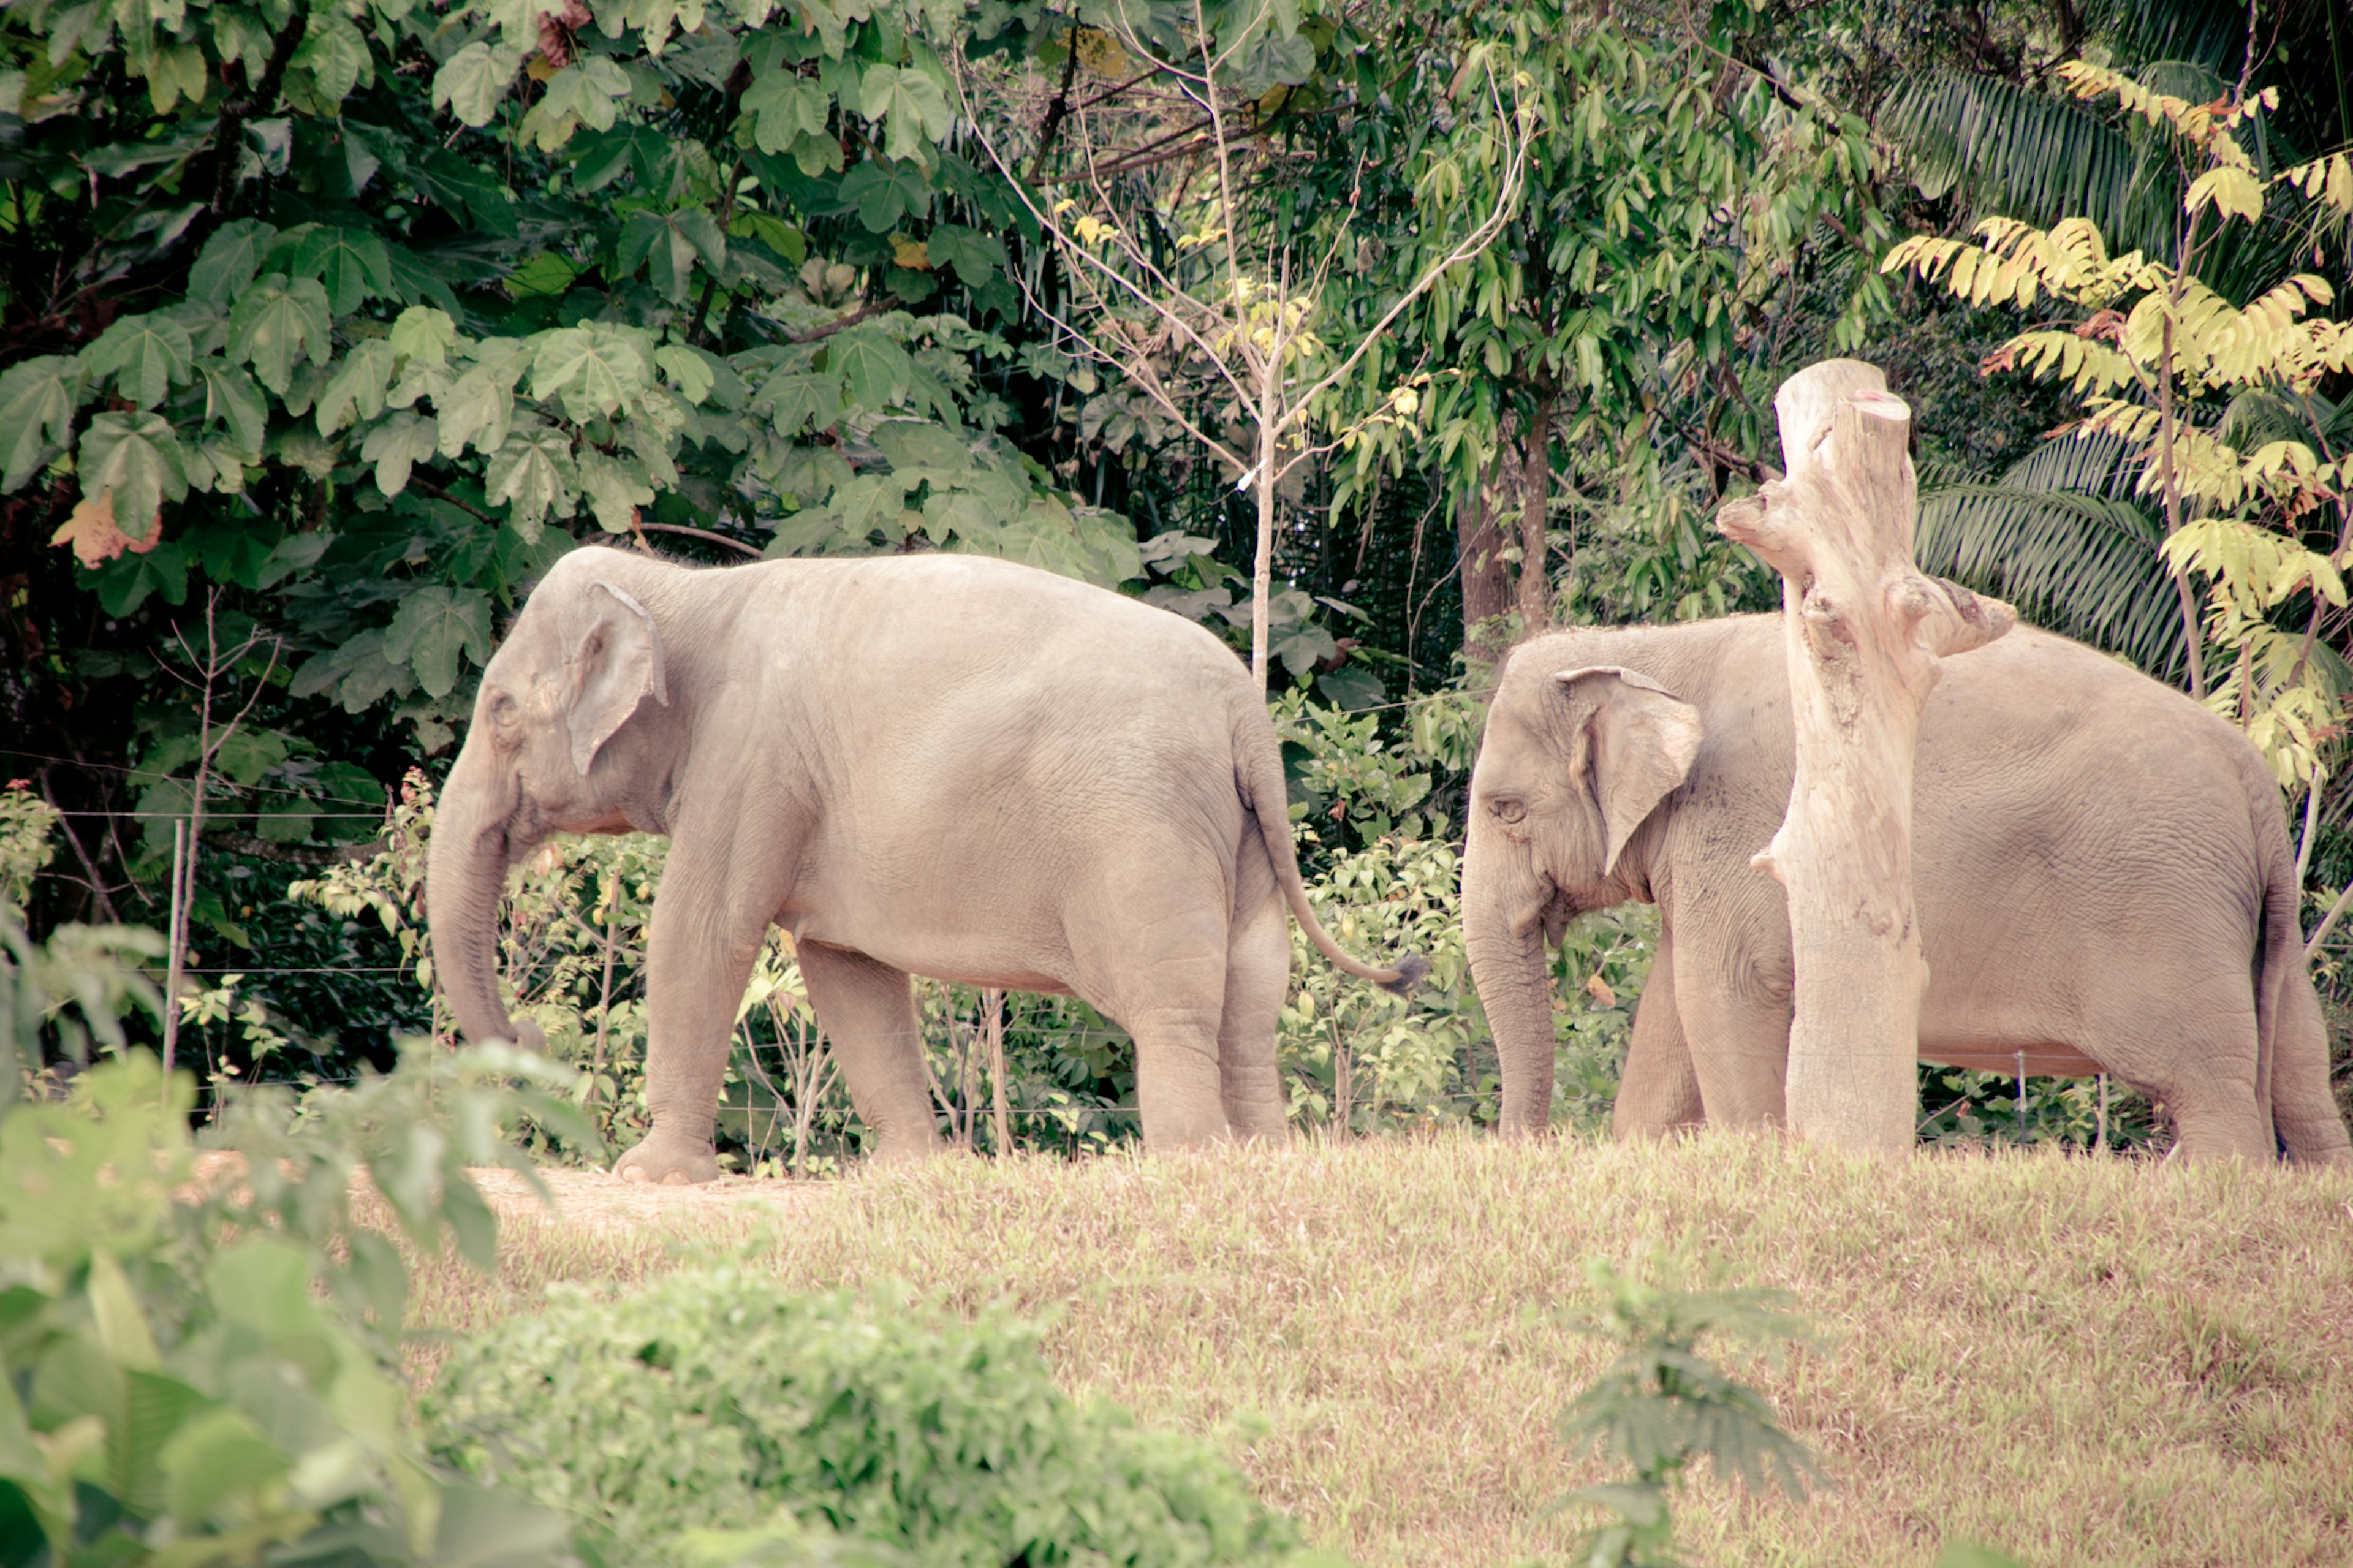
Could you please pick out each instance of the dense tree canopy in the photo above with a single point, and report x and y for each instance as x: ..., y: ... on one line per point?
x: 327, y: 326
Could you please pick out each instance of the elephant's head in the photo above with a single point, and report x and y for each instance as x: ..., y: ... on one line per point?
x: 1574, y: 762
x: 562, y: 740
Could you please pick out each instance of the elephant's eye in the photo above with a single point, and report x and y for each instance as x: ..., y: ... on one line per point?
x: 1507, y: 809
x: 504, y: 709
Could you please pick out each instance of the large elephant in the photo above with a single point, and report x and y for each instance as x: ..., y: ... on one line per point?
x: 2102, y: 870
x: 930, y: 765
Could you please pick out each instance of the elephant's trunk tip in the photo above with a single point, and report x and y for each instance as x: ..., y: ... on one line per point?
x: 1410, y: 970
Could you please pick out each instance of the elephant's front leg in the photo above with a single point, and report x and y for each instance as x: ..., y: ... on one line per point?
x: 1733, y: 1005
x: 1658, y: 1090
x: 699, y: 958
x: 868, y: 1014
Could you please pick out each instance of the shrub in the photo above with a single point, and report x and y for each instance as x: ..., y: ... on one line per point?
x: 826, y: 1424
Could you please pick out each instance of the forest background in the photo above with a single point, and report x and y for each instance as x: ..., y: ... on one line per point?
x: 327, y: 327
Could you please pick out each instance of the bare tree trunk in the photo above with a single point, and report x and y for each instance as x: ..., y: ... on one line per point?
x: 1536, y: 510
x: 1486, y: 576
x: 1863, y: 631
x: 992, y: 1002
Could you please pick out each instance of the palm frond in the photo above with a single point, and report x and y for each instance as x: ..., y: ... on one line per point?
x: 2026, y: 154
x: 2061, y: 538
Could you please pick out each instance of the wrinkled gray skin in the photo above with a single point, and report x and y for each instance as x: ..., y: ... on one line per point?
x: 933, y: 765
x: 2103, y: 877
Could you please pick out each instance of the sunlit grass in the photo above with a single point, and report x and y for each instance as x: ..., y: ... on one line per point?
x: 2082, y: 1362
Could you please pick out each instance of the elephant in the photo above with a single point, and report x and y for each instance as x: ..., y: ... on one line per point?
x: 2102, y: 873
x: 935, y: 765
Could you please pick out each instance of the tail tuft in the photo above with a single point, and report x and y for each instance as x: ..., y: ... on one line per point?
x: 1409, y: 971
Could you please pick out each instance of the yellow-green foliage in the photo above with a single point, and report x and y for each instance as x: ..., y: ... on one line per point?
x: 2079, y: 1362
x: 2164, y: 361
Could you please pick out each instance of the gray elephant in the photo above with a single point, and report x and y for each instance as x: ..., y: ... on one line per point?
x: 2102, y: 870
x: 930, y: 765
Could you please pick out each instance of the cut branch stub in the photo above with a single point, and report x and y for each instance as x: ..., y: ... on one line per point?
x: 1863, y: 630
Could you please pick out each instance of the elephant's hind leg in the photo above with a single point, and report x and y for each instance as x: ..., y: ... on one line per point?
x: 1258, y: 974
x: 2302, y: 1105
x: 1153, y: 957
x: 867, y: 1011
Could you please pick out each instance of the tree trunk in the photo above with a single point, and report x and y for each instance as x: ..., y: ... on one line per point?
x: 1863, y: 631
x: 1486, y: 576
x: 1536, y: 510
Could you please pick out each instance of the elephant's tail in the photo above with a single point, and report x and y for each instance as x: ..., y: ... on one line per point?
x: 1258, y: 774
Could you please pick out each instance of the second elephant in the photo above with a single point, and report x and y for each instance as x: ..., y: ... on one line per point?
x: 2102, y: 870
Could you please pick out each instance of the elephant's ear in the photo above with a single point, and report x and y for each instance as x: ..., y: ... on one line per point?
x: 1643, y: 738
x: 617, y: 665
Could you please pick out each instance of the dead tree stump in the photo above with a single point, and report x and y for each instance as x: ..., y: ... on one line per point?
x: 1865, y: 631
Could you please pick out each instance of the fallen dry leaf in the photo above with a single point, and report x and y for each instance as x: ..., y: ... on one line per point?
x: 95, y: 538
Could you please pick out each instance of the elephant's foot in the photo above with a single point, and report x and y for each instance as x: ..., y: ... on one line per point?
x: 672, y: 1161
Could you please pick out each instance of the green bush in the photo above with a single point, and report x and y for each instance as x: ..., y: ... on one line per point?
x: 821, y: 1424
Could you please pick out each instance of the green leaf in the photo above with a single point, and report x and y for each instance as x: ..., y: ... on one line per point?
x: 335, y: 53
x: 975, y: 257
x: 351, y: 263
x: 218, y: 1456
x: 433, y: 628
x: 276, y: 325
x: 37, y: 397
x: 531, y: 474
x: 229, y: 260
x: 355, y: 390
x: 471, y: 82
x: 424, y: 334
x: 595, y: 370
x: 911, y: 103
x: 786, y: 107
x: 232, y: 398
x: 804, y: 400
x: 884, y: 192
x: 616, y: 488
x: 396, y: 445
x: 479, y: 406
x: 137, y: 458
x: 146, y: 355
x: 687, y: 370
x: 586, y: 92
x: 874, y: 371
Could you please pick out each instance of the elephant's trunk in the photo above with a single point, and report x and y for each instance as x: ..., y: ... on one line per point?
x: 466, y: 871
x: 1508, y: 966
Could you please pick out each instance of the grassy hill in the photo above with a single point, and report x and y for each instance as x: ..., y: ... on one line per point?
x: 2081, y: 1362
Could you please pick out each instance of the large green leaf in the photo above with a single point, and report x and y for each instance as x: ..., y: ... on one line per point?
x: 146, y: 355
x: 874, y: 371
x: 533, y: 474
x: 593, y: 370
x: 883, y: 193
x: 230, y: 260
x: 424, y: 335
x: 784, y: 107
x: 232, y: 398
x: 396, y: 447
x: 351, y: 263
x: 277, y: 323
x: 37, y: 397
x: 616, y: 488
x: 433, y: 628
x: 672, y: 241
x: 336, y: 55
x: 586, y: 92
x: 471, y: 82
x: 138, y: 459
x: 914, y: 111
x: 356, y: 385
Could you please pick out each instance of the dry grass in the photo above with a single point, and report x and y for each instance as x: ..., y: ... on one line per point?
x: 2081, y: 1362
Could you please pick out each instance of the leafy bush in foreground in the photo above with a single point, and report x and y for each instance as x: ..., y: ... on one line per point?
x: 714, y: 1400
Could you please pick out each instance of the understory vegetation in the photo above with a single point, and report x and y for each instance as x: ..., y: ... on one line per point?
x: 2068, y: 1361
